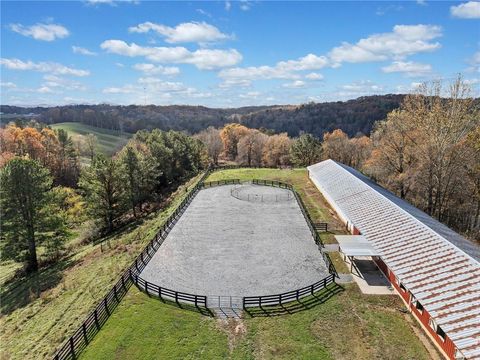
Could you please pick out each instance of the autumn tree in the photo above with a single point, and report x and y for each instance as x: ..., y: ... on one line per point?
x: 213, y: 142
x: 336, y: 146
x: 441, y: 124
x: 250, y: 148
x: 277, y: 150
x: 29, y: 215
x: 231, y: 135
x: 306, y: 150
x: 393, y: 158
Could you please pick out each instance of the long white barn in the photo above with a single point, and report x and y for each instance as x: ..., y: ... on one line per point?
x: 435, y: 270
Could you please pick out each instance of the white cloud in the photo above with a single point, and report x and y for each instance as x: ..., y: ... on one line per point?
x: 422, y: 2
x: 297, y: 84
x: 203, y: 58
x: 228, y: 83
x: 404, y: 40
x: 44, y: 90
x: 8, y: 85
x: 82, y: 51
x: 53, y: 81
x: 472, y: 81
x: 250, y: 95
x: 282, y: 70
x: 245, y: 5
x: 157, y: 70
x: 468, y: 10
x: 45, y: 32
x: 474, y: 61
x: 412, y: 87
x: 365, y: 86
x: 45, y: 67
x: 314, y: 76
x: 159, y: 90
x: 228, y: 5
x: 409, y: 68
x: 199, y: 32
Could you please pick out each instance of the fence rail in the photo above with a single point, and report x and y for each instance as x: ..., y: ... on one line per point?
x: 279, y: 299
x: 219, y: 183
x: 171, y: 295
x: 97, y: 318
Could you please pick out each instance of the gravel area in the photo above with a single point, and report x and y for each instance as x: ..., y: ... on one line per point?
x: 225, y: 246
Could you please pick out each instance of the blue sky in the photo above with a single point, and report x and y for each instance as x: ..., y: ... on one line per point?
x: 226, y: 53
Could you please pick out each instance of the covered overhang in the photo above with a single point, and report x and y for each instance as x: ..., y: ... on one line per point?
x: 355, y: 246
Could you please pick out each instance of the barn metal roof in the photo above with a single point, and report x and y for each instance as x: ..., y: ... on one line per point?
x: 437, y: 265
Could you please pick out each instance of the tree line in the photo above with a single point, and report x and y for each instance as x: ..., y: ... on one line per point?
x: 351, y: 116
x: 45, y: 193
x: 427, y: 151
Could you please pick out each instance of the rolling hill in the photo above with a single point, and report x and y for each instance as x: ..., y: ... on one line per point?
x: 109, y: 141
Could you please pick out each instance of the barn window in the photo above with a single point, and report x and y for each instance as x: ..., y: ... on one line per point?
x: 441, y: 333
x: 433, y: 324
x: 402, y: 287
x: 419, y: 306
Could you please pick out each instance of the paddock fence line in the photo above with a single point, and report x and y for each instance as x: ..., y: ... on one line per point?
x: 286, y: 297
x: 97, y: 318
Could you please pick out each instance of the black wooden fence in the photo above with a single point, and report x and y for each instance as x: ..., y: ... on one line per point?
x: 95, y: 320
x: 294, y: 295
x: 219, y: 183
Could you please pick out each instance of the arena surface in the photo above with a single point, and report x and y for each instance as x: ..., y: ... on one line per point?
x: 230, y: 247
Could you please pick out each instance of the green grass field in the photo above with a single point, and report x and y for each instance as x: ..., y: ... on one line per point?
x: 40, y: 313
x: 349, y: 325
x: 109, y: 141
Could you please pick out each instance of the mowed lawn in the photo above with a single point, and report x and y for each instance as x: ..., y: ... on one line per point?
x: 109, y: 141
x: 349, y: 325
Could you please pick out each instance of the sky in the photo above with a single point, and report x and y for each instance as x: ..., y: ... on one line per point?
x: 231, y: 53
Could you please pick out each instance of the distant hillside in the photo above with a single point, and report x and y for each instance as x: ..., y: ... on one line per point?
x: 351, y: 116
x: 109, y: 141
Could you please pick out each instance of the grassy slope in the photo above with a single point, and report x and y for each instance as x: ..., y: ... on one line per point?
x: 31, y: 326
x: 109, y: 141
x: 348, y: 326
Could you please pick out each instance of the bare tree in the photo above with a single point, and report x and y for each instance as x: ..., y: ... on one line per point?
x: 250, y: 148
x: 212, y: 140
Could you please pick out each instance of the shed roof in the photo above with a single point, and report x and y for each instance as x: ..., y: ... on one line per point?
x: 437, y: 265
x: 356, y: 245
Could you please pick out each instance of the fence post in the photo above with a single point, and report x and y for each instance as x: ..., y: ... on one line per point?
x: 311, y: 289
x: 298, y: 295
x: 106, y: 305
x: 84, y: 330
x: 95, y: 316
x: 325, y: 282
x: 72, y: 347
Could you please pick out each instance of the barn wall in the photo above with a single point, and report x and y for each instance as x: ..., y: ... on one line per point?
x: 447, y: 347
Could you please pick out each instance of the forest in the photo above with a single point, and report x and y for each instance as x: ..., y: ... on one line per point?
x: 427, y: 151
x: 352, y: 117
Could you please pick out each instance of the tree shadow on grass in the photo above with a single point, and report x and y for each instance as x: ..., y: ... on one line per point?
x: 293, y: 307
x: 21, y: 291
